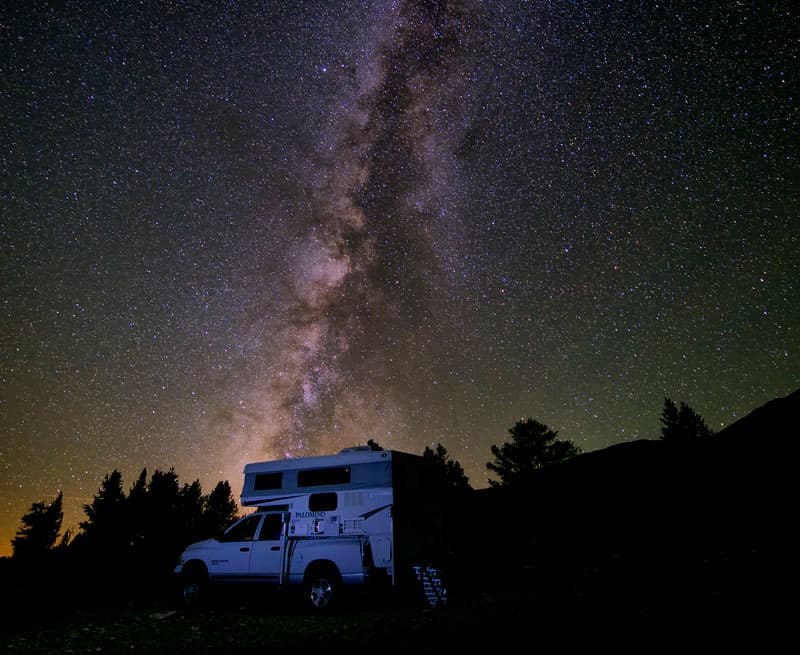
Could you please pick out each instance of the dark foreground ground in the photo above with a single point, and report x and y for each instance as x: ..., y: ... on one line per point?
x: 593, y: 611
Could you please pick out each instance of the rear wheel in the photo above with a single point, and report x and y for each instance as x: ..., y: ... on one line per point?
x: 322, y: 589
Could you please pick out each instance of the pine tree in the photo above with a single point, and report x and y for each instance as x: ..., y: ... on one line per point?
x: 107, y: 528
x: 682, y: 425
x: 450, y: 471
x: 220, y: 510
x: 533, y: 446
x: 40, y: 528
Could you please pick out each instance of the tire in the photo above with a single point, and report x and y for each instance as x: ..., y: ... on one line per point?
x: 194, y: 585
x: 322, y: 590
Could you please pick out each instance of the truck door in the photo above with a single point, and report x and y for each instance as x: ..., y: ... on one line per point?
x: 232, y: 556
x: 266, y: 556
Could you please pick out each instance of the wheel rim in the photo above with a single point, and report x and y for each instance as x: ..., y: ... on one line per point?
x: 191, y: 590
x: 321, y: 593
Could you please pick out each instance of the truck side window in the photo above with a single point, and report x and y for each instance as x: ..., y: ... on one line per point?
x: 244, y: 530
x: 271, y: 530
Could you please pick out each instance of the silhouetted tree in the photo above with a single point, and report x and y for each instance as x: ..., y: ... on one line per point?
x: 137, y: 510
x: 682, y: 424
x: 533, y: 446
x: 220, y: 509
x: 65, y: 541
x: 163, y: 523
x: 40, y: 528
x: 190, y: 512
x: 107, y: 530
x: 451, y: 472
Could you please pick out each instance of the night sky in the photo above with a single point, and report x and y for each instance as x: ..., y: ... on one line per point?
x: 239, y: 231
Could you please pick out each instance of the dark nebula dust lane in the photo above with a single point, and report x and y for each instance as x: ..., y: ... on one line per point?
x: 234, y: 232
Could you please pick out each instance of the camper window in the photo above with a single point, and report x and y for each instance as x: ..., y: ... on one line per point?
x: 267, y: 481
x: 324, y: 502
x: 319, y: 477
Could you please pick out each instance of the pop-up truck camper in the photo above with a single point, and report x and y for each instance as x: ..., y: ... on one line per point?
x: 324, y: 525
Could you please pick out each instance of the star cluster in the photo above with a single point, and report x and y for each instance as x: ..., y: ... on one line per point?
x: 242, y: 231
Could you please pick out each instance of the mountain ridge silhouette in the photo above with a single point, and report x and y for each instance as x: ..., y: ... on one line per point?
x: 721, y: 499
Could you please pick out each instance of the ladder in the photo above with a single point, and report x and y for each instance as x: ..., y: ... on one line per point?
x: 432, y: 586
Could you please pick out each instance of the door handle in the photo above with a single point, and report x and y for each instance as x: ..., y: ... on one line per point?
x: 275, y: 547
x: 244, y: 549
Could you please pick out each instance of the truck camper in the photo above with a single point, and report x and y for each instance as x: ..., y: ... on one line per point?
x: 360, y: 519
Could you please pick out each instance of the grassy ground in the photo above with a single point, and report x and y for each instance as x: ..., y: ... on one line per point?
x: 270, y: 625
x: 650, y: 616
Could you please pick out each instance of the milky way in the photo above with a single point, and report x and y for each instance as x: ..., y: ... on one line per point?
x: 377, y: 179
x: 234, y: 232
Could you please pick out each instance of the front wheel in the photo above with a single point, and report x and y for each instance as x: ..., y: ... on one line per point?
x: 193, y: 586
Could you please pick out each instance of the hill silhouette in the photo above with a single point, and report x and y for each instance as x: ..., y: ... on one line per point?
x: 731, y: 481
x: 684, y: 533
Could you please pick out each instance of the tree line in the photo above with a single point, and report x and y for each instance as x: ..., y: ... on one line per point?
x: 149, y: 525
x: 135, y: 535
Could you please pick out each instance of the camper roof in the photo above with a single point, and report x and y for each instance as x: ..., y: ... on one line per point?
x: 346, y: 456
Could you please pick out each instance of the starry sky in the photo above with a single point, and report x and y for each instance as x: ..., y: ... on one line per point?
x: 235, y: 231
